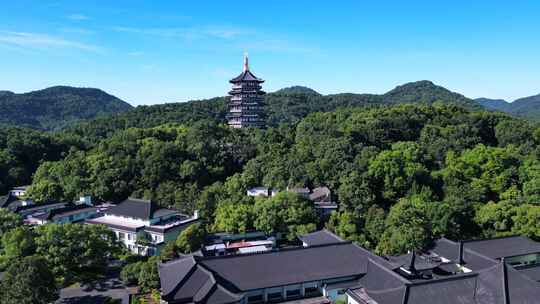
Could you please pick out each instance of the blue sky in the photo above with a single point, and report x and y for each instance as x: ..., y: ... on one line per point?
x: 148, y: 52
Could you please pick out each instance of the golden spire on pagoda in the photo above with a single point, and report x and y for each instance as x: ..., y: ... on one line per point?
x: 246, y: 62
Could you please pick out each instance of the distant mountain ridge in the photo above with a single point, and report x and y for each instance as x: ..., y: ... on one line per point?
x: 527, y: 107
x: 56, y: 107
x: 288, y: 105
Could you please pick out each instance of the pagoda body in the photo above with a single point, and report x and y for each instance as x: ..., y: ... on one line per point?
x: 246, y: 104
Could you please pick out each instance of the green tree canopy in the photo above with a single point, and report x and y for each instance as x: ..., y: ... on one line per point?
x: 28, y: 281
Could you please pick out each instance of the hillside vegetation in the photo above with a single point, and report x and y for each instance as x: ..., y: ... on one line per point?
x: 288, y: 105
x: 403, y: 175
x: 56, y: 107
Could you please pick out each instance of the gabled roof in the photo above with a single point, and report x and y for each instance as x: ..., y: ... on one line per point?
x: 287, y: 267
x: 491, y: 286
x: 504, y: 247
x: 483, y: 287
x: 473, y: 260
x: 196, y: 284
x: 321, y: 237
x: 139, y: 208
x: 246, y: 76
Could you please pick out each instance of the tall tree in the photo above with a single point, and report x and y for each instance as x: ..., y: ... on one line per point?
x: 28, y: 281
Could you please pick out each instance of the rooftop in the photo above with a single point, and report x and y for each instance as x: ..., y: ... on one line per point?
x: 371, y: 279
x: 321, y: 237
x: 65, y: 211
x: 286, y: 267
x: 504, y: 247
x: 139, y: 209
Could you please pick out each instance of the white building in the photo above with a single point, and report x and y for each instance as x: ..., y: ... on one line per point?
x: 19, y: 191
x: 143, y: 227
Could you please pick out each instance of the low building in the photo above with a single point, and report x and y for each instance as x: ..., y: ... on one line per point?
x: 220, y: 244
x: 143, y: 227
x: 12, y: 202
x: 25, y: 210
x: 329, y: 269
x: 258, y: 191
x: 321, y: 237
x: 19, y: 192
x: 305, y: 192
x: 68, y: 214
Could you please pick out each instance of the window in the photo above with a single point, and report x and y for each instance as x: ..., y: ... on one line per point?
x: 255, y: 299
x: 121, y: 235
x: 274, y: 297
x: 293, y: 293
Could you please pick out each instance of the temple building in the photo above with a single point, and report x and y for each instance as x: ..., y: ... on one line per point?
x: 246, y: 101
x: 328, y: 269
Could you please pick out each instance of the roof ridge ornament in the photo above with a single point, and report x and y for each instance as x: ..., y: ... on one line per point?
x: 246, y: 62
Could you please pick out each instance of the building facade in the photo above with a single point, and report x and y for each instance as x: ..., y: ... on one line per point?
x: 143, y: 227
x: 246, y: 104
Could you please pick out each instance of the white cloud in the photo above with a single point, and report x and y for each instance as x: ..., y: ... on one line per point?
x: 186, y: 33
x: 44, y: 42
x: 78, y: 17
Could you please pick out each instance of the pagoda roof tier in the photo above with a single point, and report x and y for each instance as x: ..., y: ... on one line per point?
x: 243, y: 114
x: 246, y: 76
x: 241, y: 91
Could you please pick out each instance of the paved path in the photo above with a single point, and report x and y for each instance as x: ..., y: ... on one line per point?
x: 111, y: 287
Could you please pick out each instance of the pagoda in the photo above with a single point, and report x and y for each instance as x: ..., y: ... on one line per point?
x: 246, y: 104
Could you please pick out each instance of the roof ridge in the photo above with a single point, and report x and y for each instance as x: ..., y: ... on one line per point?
x: 450, y: 278
x: 273, y: 251
x: 389, y: 271
x: 496, y: 238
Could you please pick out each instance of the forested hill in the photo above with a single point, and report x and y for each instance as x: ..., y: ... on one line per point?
x: 527, y: 107
x: 288, y: 105
x: 403, y: 175
x: 54, y: 108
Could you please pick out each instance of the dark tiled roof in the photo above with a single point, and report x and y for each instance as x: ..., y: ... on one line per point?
x: 532, y: 272
x: 504, y: 247
x: 321, y: 237
x: 286, y: 267
x: 473, y: 260
x: 8, y: 200
x: 379, y: 277
x: 33, y: 208
x: 185, y: 281
x: 521, y: 289
x: 139, y: 208
x: 246, y: 76
x: 483, y: 287
x: 421, y: 262
x: 454, y: 290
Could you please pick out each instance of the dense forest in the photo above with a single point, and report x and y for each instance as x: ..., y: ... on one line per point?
x: 56, y: 107
x: 402, y: 173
